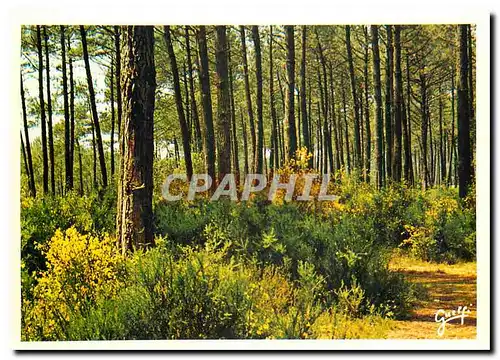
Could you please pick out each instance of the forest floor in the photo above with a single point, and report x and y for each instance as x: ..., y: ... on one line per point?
x: 447, y: 287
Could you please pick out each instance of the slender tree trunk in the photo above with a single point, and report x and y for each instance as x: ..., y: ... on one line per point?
x: 71, y: 110
x: 49, y: 113
x: 259, y: 155
x: 368, y: 141
x: 290, y: 69
x: 275, y: 136
x: 95, y: 116
x: 248, y: 95
x: 357, y: 135
x: 194, y: 107
x: 452, y: 142
x: 80, y: 166
x: 234, y: 137
x: 118, y: 87
x: 464, y: 150
x: 423, y: 134
x: 42, y: 113
x: 67, y: 125
x: 25, y: 161
x: 207, y: 102
x: 398, y: 109
x: 378, y: 101
x: 245, y: 143
x: 411, y: 177
x: 112, y: 100
x: 178, y: 101
x: 348, y: 150
x: 388, y: 103
x: 223, y: 105
x: 303, y: 100
x: 31, y: 175
x: 441, y: 142
x: 135, y: 207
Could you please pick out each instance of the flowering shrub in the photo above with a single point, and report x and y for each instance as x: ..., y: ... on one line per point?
x: 80, y: 270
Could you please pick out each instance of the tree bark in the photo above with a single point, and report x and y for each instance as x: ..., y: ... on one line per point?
x: 464, y: 150
x: 368, y: 141
x: 259, y: 156
x: 388, y: 103
x: 290, y: 69
x: 248, y: 95
x: 398, y: 109
x: 67, y: 125
x: 207, y: 102
x: 194, y: 107
x: 42, y: 113
x: 378, y: 101
x: 357, y: 135
x: 275, y: 136
x: 303, y: 100
x: 186, y: 146
x: 135, y: 208
x: 49, y: 113
x: 223, y: 105
x: 95, y: 116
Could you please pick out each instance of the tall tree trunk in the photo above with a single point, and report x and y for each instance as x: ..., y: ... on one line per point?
x: 194, y: 107
x: 357, y: 135
x: 442, y: 156
x: 452, y: 140
x: 234, y: 137
x: 388, y: 102
x: 223, y: 104
x: 423, y: 134
x: 398, y: 109
x: 71, y: 109
x: 245, y: 143
x: 178, y: 101
x: 275, y: 136
x: 42, y: 112
x: 49, y: 113
x: 112, y: 100
x: 118, y: 87
x: 25, y: 161
x: 290, y: 70
x: 378, y: 101
x: 411, y: 176
x: 80, y: 167
x: 368, y: 141
x: 346, y: 136
x: 207, y: 102
x: 303, y: 100
x: 464, y: 150
x: 259, y: 155
x: 67, y: 125
x: 248, y: 95
x: 95, y: 116
x: 31, y: 175
x: 135, y: 206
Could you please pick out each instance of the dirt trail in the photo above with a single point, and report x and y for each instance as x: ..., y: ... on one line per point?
x: 448, y: 287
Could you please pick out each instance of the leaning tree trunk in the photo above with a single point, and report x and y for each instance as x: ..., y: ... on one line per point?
x: 186, y: 145
x: 135, y: 188
x: 290, y: 70
x: 95, y: 116
x: 207, y: 102
x: 464, y: 150
x: 42, y: 112
x: 223, y: 104
x: 49, y: 113
x: 31, y: 175
x: 378, y: 102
